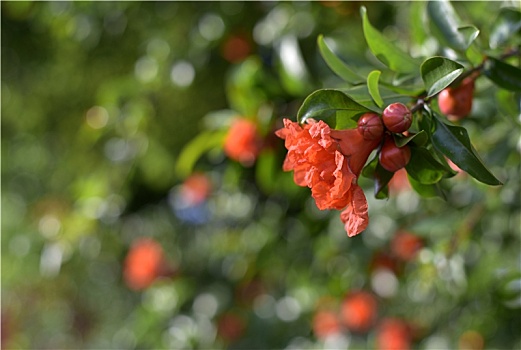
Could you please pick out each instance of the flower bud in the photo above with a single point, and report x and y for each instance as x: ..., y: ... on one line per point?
x: 392, y: 157
x: 456, y: 102
x: 397, y: 117
x: 370, y: 126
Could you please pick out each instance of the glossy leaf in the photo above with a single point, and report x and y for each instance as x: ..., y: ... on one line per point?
x: 448, y: 24
x: 336, y: 64
x: 372, y: 86
x: 385, y: 51
x: 438, y: 73
x: 423, y: 167
x: 454, y: 143
x: 507, y: 23
x: 503, y: 74
x: 333, y: 106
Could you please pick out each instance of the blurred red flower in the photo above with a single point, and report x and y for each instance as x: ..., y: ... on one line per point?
x: 359, y: 311
x: 230, y: 326
x: 236, y: 48
x: 242, y: 143
x: 196, y: 188
x: 326, y: 323
x: 329, y: 162
x: 406, y: 245
x: 143, y: 264
x: 393, y: 334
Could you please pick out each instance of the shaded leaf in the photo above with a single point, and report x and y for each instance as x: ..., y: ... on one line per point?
x: 507, y: 23
x: 503, y: 74
x: 448, y: 23
x: 438, y: 73
x: 423, y: 167
x: 333, y: 106
x: 336, y: 64
x: 454, y: 143
x: 426, y: 191
x: 372, y: 86
x: 385, y: 51
x: 381, y: 178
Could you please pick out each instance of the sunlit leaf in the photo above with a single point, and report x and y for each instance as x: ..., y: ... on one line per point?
x: 385, y: 51
x: 372, y: 85
x: 454, y: 143
x: 426, y: 191
x: 336, y: 64
x: 503, y: 74
x: 438, y: 73
x: 333, y: 106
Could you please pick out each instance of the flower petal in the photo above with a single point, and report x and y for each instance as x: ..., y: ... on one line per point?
x: 355, y: 217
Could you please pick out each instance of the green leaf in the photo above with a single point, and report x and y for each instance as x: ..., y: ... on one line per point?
x: 438, y: 73
x: 419, y: 139
x: 333, y: 106
x: 202, y: 143
x: 426, y: 191
x: 454, y: 143
x: 385, y: 51
x: 423, y: 167
x: 336, y: 64
x: 372, y: 85
x: 507, y: 23
x: 448, y: 24
x: 503, y: 74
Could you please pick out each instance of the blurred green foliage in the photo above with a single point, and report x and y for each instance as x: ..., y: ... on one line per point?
x: 102, y: 104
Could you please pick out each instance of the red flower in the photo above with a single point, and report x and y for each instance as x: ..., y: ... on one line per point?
x: 143, y: 264
x: 359, y: 311
x: 329, y: 162
x: 326, y: 323
x: 406, y: 245
x: 196, y: 188
x: 242, y: 142
x: 393, y: 334
x: 231, y: 326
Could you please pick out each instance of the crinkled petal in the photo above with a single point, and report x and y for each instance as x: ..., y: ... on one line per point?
x: 355, y: 217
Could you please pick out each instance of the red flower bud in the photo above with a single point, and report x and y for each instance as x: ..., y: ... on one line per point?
x: 392, y: 157
x: 397, y: 117
x: 456, y: 102
x: 370, y: 126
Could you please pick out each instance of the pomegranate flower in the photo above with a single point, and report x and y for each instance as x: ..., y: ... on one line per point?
x: 329, y: 163
x: 242, y: 142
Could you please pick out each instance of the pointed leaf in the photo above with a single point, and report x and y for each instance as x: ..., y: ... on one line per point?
x: 438, y: 73
x: 333, y: 106
x: 507, y: 23
x: 385, y: 51
x: 372, y: 85
x: 503, y: 74
x: 448, y: 23
x: 419, y: 139
x: 454, y: 143
x: 362, y: 96
x: 336, y: 64
x: 381, y: 177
